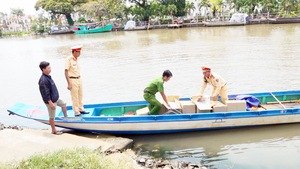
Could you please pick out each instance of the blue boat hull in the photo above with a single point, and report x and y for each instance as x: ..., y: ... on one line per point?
x: 170, y: 123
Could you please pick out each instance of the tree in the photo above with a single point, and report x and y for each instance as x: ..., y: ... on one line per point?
x: 140, y: 3
x: 216, y: 6
x: 17, y: 12
x: 189, y: 6
x: 158, y: 9
x: 269, y: 5
x: 94, y: 9
x: 205, y: 4
x: 65, y: 7
x: 114, y: 7
x: 126, y: 10
x: 39, y: 25
x: 180, y: 6
x: 142, y: 9
x: 171, y: 9
x: 1, y: 15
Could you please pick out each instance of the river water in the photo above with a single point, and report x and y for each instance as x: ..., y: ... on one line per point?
x: 116, y: 66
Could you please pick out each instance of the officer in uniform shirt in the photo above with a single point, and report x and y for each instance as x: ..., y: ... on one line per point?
x: 155, y: 86
x: 218, y: 84
x: 72, y: 74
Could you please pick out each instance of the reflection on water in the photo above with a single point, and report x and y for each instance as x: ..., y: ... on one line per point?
x: 116, y: 66
x: 275, y: 147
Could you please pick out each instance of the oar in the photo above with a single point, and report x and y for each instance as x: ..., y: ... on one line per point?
x: 277, y: 100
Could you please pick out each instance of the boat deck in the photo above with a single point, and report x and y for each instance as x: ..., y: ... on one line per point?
x: 270, y: 106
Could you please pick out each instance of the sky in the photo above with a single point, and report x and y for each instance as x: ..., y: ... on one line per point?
x: 27, y: 5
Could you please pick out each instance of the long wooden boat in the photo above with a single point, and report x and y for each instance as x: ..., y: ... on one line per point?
x: 280, y: 108
x: 138, y: 28
x: 57, y: 30
x: 218, y: 24
x: 284, y: 20
x: 90, y: 28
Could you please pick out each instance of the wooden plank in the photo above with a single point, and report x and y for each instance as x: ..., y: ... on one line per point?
x: 287, y: 101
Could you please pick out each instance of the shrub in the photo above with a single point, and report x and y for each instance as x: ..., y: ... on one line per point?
x: 81, y: 20
x: 165, y: 21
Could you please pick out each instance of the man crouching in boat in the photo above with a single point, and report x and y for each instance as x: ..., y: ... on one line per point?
x: 157, y: 85
x: 50, y: 95
x: 218, y: 84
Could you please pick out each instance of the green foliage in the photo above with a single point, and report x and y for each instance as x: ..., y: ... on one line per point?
x: 39, y: 25
x: 99, y: 9
x: 180, y: 6
x: 145, y: 9
x: 171, y: 9
x: 200, y: 18
x: 81, y: 20
x: 0, y: 32
x: 189, y: 6
x: 65, y: 7
x: 15, y: 33
x: 165, y: 21
x: 68, y: 159
x: 288, y: 15
x: 17, y: 12
x: 144, y: 12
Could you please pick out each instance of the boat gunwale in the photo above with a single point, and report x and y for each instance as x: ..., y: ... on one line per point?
x: 173, y: 117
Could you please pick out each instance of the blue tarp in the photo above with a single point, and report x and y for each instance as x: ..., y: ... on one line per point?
x: 250, y: 101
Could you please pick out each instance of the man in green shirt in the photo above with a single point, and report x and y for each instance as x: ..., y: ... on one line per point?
x: 157, y: 85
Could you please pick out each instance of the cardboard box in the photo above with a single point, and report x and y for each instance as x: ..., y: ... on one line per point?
x: 173, y: 102
x: 194, y: 98
x: 142, y: 112
x: 163, y: 109
x: 187, y: 106
x: 201, y: 107
x: 236, y: 105
x: 172, y: 98
x: 219, y: 107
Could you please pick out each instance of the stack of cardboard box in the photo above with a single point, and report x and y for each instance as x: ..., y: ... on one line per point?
x: 193, y: 106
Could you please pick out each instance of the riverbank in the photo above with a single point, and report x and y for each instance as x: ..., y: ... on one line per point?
x: 183, y: 25
x: 18, y: 145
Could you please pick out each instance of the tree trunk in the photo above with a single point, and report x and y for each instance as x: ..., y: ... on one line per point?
x: 69, y: 19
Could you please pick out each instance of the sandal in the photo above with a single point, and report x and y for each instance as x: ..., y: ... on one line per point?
x: 57, y: 132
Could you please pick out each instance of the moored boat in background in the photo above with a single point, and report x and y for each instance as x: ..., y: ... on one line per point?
x: 92, y: 28
x: 55, y: 30
x: 284, y: 20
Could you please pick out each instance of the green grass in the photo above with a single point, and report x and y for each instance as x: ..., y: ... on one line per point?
x: 79, y: 158
x: 16, y: 33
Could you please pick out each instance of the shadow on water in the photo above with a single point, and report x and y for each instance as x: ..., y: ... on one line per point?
x: 213, y: 139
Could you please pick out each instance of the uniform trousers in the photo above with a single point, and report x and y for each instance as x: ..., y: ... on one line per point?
x: 223, y: 93
x: 154, y: 104
x: 76, y: 94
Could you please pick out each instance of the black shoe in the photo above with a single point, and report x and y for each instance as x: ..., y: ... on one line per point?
x: 77, y: 115
x: 84, y: 112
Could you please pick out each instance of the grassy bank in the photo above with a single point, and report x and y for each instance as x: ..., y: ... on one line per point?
x: 67, y: 159
x: 16, y: 33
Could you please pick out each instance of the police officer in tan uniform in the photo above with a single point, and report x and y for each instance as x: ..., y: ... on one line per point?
x: 72, y: 74
x: 218, y: 84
